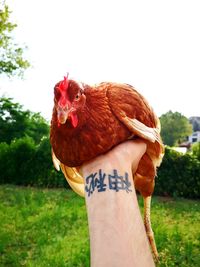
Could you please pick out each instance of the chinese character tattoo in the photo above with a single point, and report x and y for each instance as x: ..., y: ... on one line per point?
x: 97, y: 182
x: 117, y: 182
x: 93, y: 182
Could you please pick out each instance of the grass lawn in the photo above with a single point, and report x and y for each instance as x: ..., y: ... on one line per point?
x: 48, y: 227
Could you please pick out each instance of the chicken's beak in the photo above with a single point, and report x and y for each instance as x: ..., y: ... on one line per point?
x: 62, y: 115
x: 63, y: 112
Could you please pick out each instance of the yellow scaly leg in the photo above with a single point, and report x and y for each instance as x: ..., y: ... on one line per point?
x: 147, y: 224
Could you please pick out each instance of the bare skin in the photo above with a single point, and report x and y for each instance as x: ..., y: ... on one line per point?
x: 117, y: 233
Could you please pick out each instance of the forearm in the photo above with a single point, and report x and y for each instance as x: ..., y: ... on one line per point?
x: 117, y: 234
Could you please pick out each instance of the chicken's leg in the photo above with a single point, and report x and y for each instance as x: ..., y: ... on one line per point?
x: 147, y: 224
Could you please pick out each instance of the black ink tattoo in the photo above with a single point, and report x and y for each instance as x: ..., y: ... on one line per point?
x: 96, y: 181
x: 117, y: 182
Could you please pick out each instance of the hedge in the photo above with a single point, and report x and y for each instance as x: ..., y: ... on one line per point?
x: 178, y: 175
x: 25, y: 163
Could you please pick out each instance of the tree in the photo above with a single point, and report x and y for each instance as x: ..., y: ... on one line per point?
x: 174, y: 128
x: 11, y: 55
x: 17, y: 123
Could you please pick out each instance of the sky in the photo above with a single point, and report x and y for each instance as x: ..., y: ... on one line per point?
x: 152, y: 45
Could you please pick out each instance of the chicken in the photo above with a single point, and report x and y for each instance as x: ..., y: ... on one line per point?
x: 88, y: 121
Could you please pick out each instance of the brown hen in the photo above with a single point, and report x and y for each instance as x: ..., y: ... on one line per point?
x: 89, y: 120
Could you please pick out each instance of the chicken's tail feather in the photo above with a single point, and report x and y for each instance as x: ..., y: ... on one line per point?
x: 73, y: 177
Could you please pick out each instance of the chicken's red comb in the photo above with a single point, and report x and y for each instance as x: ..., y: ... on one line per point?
x: 63, y: 85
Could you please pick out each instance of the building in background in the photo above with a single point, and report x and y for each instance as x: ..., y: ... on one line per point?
x: 195, y: 137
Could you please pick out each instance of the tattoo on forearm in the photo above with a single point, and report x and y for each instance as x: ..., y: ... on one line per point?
x: 97, y: 182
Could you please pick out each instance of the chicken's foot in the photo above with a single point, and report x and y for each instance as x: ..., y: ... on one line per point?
x: 147, y: 224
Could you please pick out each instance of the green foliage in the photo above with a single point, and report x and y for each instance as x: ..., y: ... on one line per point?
x: 11, y: 55
x: 41, y: 227
x: 175, y: 128
x: 43, y: 171
x: 21, y: 154
x: 13, y: 159
x: 178, y: 175
x: 24, y: 163
x: 196, y: 150
x: 25, y: 152
x: 17, y: 123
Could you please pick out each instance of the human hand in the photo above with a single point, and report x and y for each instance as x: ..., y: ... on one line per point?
x: 127, y: 154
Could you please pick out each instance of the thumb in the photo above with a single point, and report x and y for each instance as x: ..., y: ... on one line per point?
x: 138, y: 149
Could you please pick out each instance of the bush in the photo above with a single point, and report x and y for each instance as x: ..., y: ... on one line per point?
x: 179, y: 175
x: 44, y: 171
x: 14, y: 159
x: 25, y: 153
x: 4, y: 161
x: 196, y: 150
x: 24, y: 163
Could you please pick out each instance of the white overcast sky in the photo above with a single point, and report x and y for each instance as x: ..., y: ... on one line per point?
x: 153, y: 45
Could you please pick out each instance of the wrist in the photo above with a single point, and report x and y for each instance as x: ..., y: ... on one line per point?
x: 110, y: 209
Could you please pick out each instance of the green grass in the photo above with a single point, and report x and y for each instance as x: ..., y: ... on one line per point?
x: 41, y: 227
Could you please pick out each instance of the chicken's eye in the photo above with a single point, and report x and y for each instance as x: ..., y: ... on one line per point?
x: 77, y: 96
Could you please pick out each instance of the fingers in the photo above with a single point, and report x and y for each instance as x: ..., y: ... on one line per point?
x: 135, y: 150
x: 127, y: 154
x: 132, y: 148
